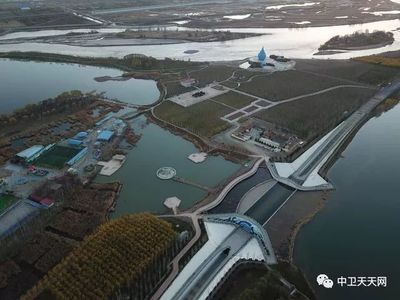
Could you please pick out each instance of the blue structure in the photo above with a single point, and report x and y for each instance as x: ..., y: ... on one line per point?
x: 105, y: 119
x: 105, y: 135
x: 81, y: 135
x: 74, y: 142
x: 77, y: 157
x: 262, y: 56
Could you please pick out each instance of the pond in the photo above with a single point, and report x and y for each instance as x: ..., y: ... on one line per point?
x: 143, y: 191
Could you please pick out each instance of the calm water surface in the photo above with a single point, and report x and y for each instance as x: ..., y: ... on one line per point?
x: 143, y: 191
x: 357, y: 233
x: 291, y: 42
x: 24, y: 82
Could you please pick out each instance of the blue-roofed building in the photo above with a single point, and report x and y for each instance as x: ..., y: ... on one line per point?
x: 30, y: 154
x: 105, y: 136
x: 74, y: 142
x: 81, y: 135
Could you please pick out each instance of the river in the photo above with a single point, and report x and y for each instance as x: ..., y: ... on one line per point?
x: 143, y: 191
x: 24, y: 82
x: 290, y: 42
x: 356, y: 233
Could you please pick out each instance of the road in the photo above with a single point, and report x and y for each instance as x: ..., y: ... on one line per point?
x: 341, y: 133
x: 195, y: 221
x: 212, y: 265
x: 327, y: 148
x: 270, y: 203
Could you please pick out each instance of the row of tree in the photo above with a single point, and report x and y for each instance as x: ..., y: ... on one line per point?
x: 125, y: 252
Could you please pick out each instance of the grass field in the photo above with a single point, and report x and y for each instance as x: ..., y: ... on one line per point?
x: 284, y: 85
x: 202, y: 118
x: 211, y: 74
x: 175, y: 88
x: 314, y: 115
x: 381, y: 60
x: 56, y: 157
x: 233, y: 99
x: 356, y: 69
x: 6, y: 201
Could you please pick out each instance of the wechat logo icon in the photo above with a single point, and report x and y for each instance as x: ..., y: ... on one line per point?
x: 324, y: 280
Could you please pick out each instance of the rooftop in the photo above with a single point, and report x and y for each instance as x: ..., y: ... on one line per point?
x: 105, y: 135
x: 28, y: 153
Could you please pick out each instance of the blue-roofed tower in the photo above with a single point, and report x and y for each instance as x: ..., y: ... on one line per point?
x: 262, y: 56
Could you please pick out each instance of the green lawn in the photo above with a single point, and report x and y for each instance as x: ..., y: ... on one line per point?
x: 283, y: 85
x: 202, y: 118
x: 6, y: 201
x: 56, y: 157
x: 175, y: 88
x: 212, y: 73
x: 234, y: 99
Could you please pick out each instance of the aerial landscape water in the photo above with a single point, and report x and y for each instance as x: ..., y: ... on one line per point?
x: 291, y: 42
x: 285, y: 170
x: 355, y: 233
x: 143, y: 191
x: 45, y: 80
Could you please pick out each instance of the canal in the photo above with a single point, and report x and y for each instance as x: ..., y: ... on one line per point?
x: 25, y: 82
x: 356, y: 233
x: 267, y: 205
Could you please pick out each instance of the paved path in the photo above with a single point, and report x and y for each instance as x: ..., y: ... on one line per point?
x: 175, y: 262
x: 230, y: 186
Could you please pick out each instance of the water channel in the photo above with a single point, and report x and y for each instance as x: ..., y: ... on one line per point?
x: 356, y: 233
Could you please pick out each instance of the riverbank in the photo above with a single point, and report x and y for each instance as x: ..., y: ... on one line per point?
x: 279, y: 41
x: 363, y: 208
x: 356, y: 41
x: 284, y: 227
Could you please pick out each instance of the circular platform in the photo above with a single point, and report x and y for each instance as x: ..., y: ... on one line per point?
x: 165, y: 173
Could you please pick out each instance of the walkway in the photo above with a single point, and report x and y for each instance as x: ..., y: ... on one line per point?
x: 195, y: 221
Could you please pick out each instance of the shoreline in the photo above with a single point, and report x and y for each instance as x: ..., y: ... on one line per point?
x: 332, y: 51
x: 237, y: 24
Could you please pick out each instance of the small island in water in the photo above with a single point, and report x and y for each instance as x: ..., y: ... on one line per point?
x: 358, y: 40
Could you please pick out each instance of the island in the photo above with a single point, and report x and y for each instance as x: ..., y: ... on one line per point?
x: 185, y: 35
x: 358, y: 40
x: 129, y: 37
